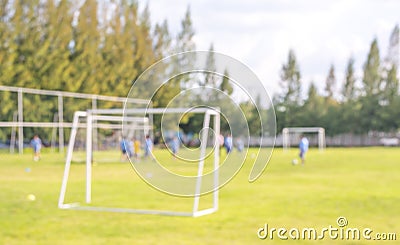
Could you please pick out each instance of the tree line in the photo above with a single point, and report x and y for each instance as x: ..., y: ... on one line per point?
x: 366, y: 104
x: 101, y: 47
x: 89, y: 46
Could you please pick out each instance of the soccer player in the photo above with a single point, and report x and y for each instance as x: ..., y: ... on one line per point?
x: 148, y: 147
x: 124, y: 145
x: 228, y: 143
x: 136, y: 147
x: 303, y: 146
x: 174, y: 145
x: 36, y: 143
x: 240, y: 144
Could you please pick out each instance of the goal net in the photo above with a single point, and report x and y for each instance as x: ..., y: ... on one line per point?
x: 135, y: 126
x: 291, y: 136
x: 106, y: 137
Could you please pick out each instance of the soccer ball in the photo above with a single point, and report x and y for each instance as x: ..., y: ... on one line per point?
x: 294, y: 161
x: 31, y: 197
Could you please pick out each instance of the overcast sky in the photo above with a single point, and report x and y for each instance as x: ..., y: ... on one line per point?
x: 259, y: 33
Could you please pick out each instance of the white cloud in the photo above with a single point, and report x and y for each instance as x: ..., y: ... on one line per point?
x: 260, y: 33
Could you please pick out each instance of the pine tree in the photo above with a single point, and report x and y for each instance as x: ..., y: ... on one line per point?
x: 370, y: 111
x: 392, y: 57
x: 225, y: 84
x: 185, y: 40
x: 390, y: 82
x: 290, y: 80
x: 24, y: 36
x: 184, y: 43
x: 162, y: 40
x: 287, y: 103
x: 128, y: 48
x: 349, y: 90
x: 144, y: 56
x: 7, y: 46
x: 210, y: 78
x: 313, y: 108
x: 330, y: 83
x: 86, y: 55
x: 372, y: 77
x: 312, y: 93
x: 391, y: 88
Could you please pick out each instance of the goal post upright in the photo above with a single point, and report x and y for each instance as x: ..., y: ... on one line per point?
x: 217, y: 125
x: 89, y: 149
x: 74, y: 130
x: 321, y: 139
x: 203, y: 148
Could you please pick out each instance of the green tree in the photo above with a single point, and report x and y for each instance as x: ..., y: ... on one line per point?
x: 85, y: 50
x: 330, y: 83
x: 144, y: 56
x: 185, y: 40
x: 350, y: 108
x: 390, y: 82
x: 290, y: 80
x: 162, y: 40
x: 372, y: 77
x: 313, y: 104
x: 225, y: 84
x: 392, y: 57
x: 287, y: 103
x: 8, y: 54
x: 349, y: 90
x: 210, y: 79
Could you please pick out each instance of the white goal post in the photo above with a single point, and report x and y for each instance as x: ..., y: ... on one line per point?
x: 109, y: 115
x: 299, y: 130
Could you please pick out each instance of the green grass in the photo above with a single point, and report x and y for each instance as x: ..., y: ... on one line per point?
x: 361, y: 184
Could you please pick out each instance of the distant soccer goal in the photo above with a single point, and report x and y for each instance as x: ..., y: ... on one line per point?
x: 133, y: 123
x: 290, y: 136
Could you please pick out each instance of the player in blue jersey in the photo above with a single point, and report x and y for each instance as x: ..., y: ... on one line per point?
x: 36, y: 144
x: 303, y: 147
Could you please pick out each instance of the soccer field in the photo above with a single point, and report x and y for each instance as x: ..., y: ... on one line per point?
x: 360, y: 184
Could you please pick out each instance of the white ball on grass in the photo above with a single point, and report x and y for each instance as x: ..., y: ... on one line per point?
x: 31, y: 197
x: 294, y: 162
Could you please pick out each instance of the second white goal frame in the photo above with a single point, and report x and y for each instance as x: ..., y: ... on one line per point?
x: 286, y: 135
x: 109, y: 114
